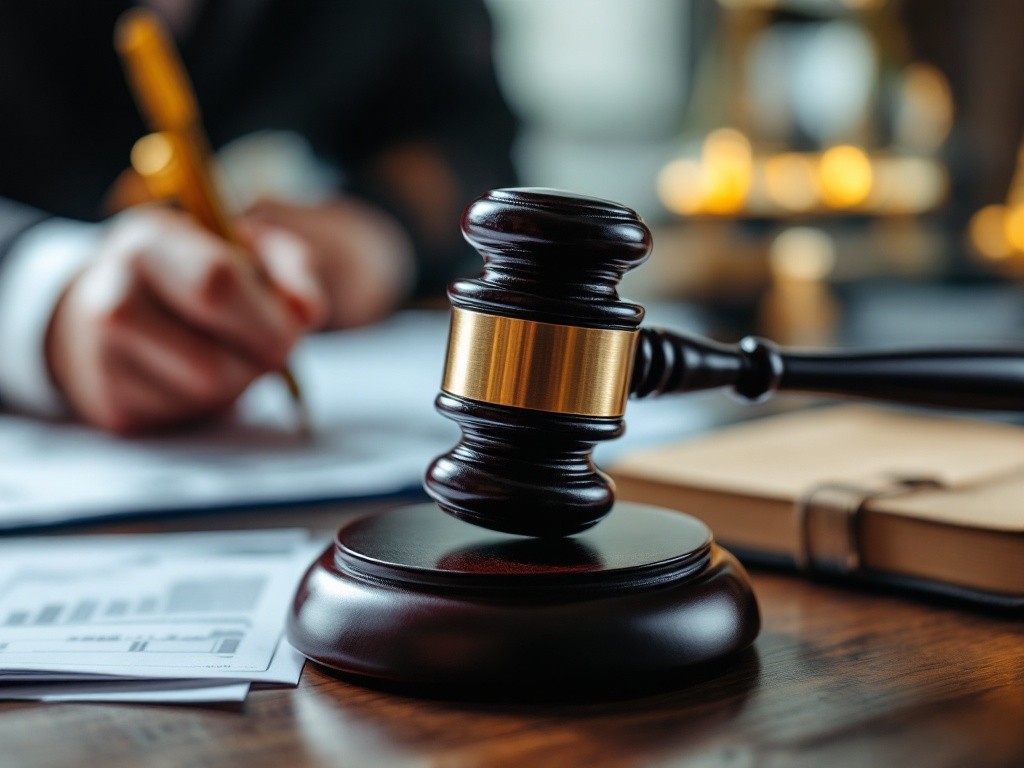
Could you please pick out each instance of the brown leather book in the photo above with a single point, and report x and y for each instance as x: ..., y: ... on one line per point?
x: 924, y: 502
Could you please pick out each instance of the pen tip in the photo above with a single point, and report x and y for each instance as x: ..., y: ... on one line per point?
x: 303, y: 422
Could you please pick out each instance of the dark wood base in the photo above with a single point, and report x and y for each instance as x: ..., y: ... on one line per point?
x: 418, y: 598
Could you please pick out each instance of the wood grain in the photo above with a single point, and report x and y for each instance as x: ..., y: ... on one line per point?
x: 837, y: 678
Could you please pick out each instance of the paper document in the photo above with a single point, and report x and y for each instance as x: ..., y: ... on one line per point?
x: 370, y: 394
x: 131, y: 692
x: 96, y: 611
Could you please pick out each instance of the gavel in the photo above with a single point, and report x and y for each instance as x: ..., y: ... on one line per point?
x: 543, y: 355
x: 519, y: 588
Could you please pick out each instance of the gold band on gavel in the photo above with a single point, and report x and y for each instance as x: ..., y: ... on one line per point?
x: 540, y: 366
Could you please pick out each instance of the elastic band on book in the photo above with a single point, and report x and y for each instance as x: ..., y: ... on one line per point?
x: 828, y: 524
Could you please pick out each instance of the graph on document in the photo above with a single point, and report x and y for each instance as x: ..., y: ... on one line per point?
x: 215, y: 595
x: 192, y: 640
x: 199, y: 602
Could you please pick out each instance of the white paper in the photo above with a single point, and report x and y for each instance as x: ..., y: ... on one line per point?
x: 284, y: 670
x: 209, y: 606
x: 131, y: 692
x: 370, y: 394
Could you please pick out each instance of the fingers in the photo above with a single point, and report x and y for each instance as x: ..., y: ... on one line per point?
x: 211, y: 286
x: 133, y: 366
x: 363, y: 258
x: 135, y: 403
x: 169, y: 324
x: 292, y: 267
x: 199, y: 374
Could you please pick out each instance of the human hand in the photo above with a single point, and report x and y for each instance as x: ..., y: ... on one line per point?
x: 170, y: 324
x: 363, y: 257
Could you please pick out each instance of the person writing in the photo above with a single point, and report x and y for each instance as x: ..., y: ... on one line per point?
x: 142, y: 319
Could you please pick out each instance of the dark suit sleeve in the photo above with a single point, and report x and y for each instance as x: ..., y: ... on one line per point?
x: 440, y: 90
x: 15, y: 218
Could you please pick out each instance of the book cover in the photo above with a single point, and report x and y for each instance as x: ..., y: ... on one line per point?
x: 926, y: 502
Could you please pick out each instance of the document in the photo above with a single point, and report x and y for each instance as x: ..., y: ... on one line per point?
x: 189, y: 617
x: 370, y: 394
x: 131, y: 692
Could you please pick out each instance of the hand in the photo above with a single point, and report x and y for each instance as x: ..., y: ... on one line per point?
x: 170, y: 323
x: 363, y: 256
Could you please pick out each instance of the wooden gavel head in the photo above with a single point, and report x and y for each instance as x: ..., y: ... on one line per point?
x: 540, y: 358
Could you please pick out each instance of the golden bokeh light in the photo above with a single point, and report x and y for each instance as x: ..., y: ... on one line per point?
x: 726, y: 171
x: 680, y: 186
x: 925, y: 116
x: 791, y: 182
x: 988, y: 233
x: 908, y: 185
x: 1013, y: 227
x: 802, y: 254
x: 846, y: 176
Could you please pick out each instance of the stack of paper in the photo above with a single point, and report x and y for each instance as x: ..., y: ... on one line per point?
x: 193, y: 617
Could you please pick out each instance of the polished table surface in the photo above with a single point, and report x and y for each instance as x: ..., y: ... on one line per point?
x: 837, y: 678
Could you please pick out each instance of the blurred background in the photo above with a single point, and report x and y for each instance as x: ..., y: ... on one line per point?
x: 818, y: 171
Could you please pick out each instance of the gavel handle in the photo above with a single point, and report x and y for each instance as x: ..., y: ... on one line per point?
x: 980, y: 379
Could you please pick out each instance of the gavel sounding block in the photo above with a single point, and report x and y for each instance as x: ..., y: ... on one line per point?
x: 418, y: 598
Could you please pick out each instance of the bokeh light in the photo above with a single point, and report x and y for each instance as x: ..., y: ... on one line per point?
x: 988, y: 233
x: 791, y: 181
x: 846, y: 176
x: 802, y: 254
x: 680, y: 186
x: 726, y: 171
x: 1013, y: 227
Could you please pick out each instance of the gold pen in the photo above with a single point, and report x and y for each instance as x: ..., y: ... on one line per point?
x: 173, y: 161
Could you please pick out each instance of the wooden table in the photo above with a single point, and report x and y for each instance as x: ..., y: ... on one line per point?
x: 837, y: 678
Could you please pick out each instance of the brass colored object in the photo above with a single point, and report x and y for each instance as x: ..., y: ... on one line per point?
x: 174, y: 160
x: 154, y: 160
x: 166, y: 99
x: 158, y: 79
x: 540, y: 366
